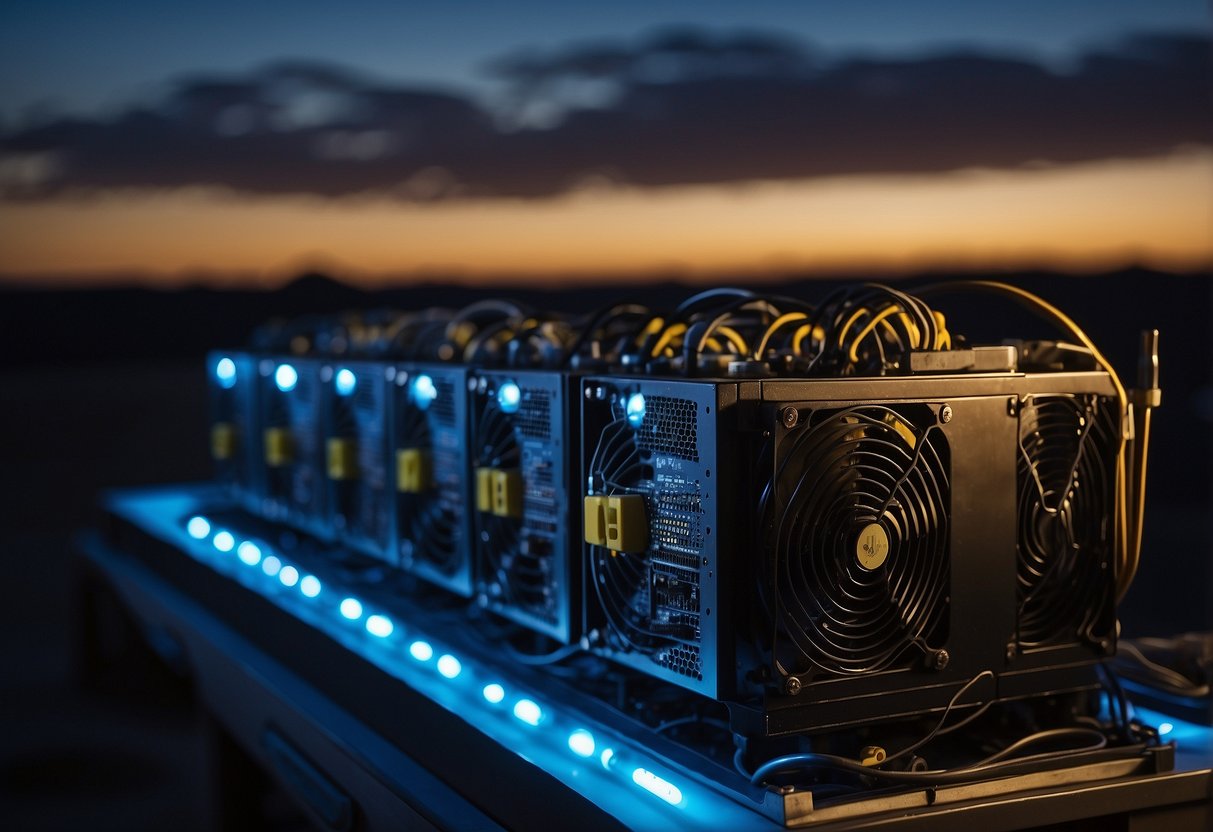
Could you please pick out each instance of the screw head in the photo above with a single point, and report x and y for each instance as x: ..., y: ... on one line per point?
x: 940, y: 659
x: 945, y: 413
x: 1012, y: 651
x: 790, y: 417
x: 792, y: 686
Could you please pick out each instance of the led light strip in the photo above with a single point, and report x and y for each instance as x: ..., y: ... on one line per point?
x: 269, y: 570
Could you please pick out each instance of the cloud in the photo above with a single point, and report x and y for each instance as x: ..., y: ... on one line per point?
x: 680, y: 107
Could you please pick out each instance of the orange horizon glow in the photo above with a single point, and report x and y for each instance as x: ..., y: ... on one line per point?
x: 1155, y: 212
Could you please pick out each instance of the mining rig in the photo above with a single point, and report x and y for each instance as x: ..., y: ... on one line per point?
x: 811, y: 518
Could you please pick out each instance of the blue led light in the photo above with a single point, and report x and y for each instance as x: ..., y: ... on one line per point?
x: 1165, y: 728
x: 528, y: 711
x: 286, y: 378
x: 634, y: 409
x: 424, y: 392
x: 351, y: 608
x: 249, y: 553
x: 421, y: 651
x: 271, y: 565
x: 494, y: 693
x: 607, y: 758
x: 509, y: 397
x: 289, y: 576
x: 224, y: 541
x: 225, y: 372
x: 379, y: 625
x: 581, y: 742
x: 653, y: 784
x: 310, y: 586
x: 345, y: 381
x: 198, y: 528
x: 449, y: 666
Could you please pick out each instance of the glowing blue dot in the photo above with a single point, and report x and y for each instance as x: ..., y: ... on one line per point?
x: 1165, y: 728
x: 225, y: 372
x: 310, y: 586
x: 528, y: 711
x: 634, y: 409
x: 581, y: 742
x: 345, y: 381
x: 224, y: 541
x: 607, y: 758
x: 271, y: 565
x: 379, y: 625
x: 249, y: 553
x: 286, y: 378
x: 509, y: 397
x: 351, y: 608
x: 421, y: 651
x: 198, y: 528
x: 449, y: 666
x: 424, y: 391
x: 653, y: 784
x: 494, y: 692
x: 289, y: 576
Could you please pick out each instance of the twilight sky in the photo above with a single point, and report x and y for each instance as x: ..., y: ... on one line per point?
x: 241, y: 143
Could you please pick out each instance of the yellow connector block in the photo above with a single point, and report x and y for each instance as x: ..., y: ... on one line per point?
x: 279, y: 447
x: 484, y: 489
x: 414, y: 471
x: 507, y: 494
x: 342, y: 458
x: 595, y: 521
x: 619, y: 522
x: 223, y: 440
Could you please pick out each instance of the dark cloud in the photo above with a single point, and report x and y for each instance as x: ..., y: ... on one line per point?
x: 682, y: 107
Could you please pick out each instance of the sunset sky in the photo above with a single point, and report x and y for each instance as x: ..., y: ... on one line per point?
x: 165, y: 144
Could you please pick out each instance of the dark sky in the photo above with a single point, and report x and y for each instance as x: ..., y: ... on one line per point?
x: 82, y: 56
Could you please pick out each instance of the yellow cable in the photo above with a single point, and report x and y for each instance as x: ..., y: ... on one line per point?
x: 799, y: 336
x: 734, y: 338
x: 672, y: 332
x: 871, y: 325
x: 780, y: 322
x: 842, y: 334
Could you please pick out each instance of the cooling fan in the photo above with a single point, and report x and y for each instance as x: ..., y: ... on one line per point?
x: 430, y: 525
x: 857, y: 567
x: 1067, y: 483
x: 650, y: 597
x: 511, y: 572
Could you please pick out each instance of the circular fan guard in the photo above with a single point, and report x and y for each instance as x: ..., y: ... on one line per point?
x: 839, y: 475
x: 1066, y: 487
x: 427, y: 522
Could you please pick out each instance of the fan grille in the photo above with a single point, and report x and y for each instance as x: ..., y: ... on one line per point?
x: 1067, y: 482
x: 429, y: 523
x: 837, y: 476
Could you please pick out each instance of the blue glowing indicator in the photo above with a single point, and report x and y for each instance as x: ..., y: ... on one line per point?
x: 494, y: 693
x: 653, y: 784
x: 528, y: 711
x: 1165, y: 728
x: 309, y: 585
x: 581, y: 742
x: 424, y: 391
x: 224, y: 541
x: 379, y: 625
x: 249, y: 553
x: 289, y: 576
x: 421, y: 651
x: 271, y: 565
x: 198, y: 528
x: 225, y: 372
x: 345, y: 381
x: 351, y: 608
x: 509, y: 397
x: 634, y: 409
x: 449, y: 666
x: 286, y: 378
x: 607, y: 758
